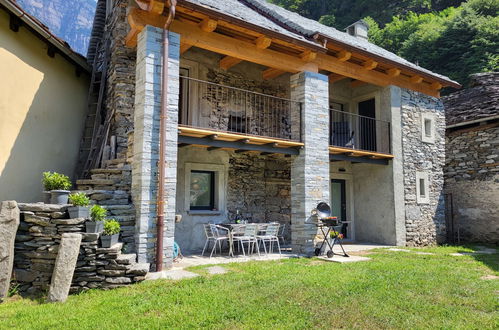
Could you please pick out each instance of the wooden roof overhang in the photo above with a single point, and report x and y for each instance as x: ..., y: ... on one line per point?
x: 240, y: 41
x: 214, y: 140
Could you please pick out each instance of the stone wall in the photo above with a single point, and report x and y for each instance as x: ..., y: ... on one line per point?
x: 259, y: 187
x: 37, y: 244
x: 472, y: 178
x: 425, y: 223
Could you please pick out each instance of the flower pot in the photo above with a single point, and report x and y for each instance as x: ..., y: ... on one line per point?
x: 94, y: 226
x: 79, y: 212
x: 59, y: 196
x: 109, y: 240
x: 46, y: 197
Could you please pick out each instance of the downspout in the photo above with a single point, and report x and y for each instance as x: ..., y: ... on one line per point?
x: 160, y: 208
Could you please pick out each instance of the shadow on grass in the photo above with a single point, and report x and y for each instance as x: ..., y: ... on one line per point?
x: 490, y: 260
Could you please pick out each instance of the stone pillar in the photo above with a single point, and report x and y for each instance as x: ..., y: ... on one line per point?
x: 9, y: 221
x: 146, y: 141
x: 309, y: 170
x: 64, y: 267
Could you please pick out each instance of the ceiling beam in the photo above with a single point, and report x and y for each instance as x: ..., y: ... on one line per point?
x: 334, y: 77
x: 272, y: 73
x: 308, y: 56
x: 184, y: 48
x: 152, y: 6
x: 357, y: 83
x: 263, y: 42
x: 228, y: 62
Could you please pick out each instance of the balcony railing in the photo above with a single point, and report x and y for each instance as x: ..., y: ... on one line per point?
x: 352, y: 131
x: 222, y: 108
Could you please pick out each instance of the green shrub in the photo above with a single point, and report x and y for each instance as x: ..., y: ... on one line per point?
x: 79, y: 199
x: 98, y: 213
x: 111, y: 227
x: 55, y: 181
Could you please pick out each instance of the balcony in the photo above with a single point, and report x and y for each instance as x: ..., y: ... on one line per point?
x: 220, y: 116
x: 358, y: 137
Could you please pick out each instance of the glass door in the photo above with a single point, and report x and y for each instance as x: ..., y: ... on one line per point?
x: 339, y: 204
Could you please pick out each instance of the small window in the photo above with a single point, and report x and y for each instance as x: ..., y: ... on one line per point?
x: 422, y: 188
x: 428, y: 128
x: 202, y: 190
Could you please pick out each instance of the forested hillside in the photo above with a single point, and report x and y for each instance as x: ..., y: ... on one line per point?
x: 455, y: 38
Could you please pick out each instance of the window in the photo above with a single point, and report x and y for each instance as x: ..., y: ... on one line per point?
x: 422, y: 188
x: 428, y: 128
x: 202, y: 190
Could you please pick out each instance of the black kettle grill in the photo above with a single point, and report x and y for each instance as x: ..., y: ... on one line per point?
x: 327, y: 225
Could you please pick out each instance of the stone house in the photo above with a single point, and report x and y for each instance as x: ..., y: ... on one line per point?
x: 40, y: 126
x: 472, y: 160
x: 266, y: 114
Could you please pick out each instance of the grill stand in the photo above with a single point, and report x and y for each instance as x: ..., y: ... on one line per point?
x: 330, y: 253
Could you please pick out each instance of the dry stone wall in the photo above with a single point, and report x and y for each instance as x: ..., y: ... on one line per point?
x: 425, y: 223
x: 37, y: 245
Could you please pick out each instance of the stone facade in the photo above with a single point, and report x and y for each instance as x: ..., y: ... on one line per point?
x: 425, y: 222
x: 37, y: 246
x: 472, y: 159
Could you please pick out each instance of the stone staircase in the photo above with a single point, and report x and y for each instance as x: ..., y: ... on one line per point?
x: 110, y: 187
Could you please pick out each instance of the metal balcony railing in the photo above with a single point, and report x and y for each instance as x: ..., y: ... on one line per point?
x: 222, y: 108
x: 349, y: 130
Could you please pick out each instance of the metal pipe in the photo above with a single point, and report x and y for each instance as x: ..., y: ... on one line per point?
x: 160, y: 206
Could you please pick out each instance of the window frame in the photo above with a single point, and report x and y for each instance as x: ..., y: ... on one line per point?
x: 210, y: 207
x: 427, y: 117
x: 220, y: 183
x: 422, y: 177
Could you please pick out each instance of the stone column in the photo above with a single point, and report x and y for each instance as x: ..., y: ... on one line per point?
x: 146, y: 141
x: 309, y: 170
x: 9, y: 221
x: 64, y: 267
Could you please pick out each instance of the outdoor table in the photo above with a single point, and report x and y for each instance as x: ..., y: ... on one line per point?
x: 231, y: 227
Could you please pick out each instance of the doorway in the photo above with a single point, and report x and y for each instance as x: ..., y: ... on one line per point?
x: 339, y: 205
x: 367, y: 125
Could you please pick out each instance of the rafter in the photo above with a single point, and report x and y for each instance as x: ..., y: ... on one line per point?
x: 393, y: 72
x: 343, y: 55
x: 416, y: 79
x: 370, y: 64
x: 184, y: 48
x: 263, y: 42
x: 436, y: 85
x: 152, y: 6
x: 308, y: 56
x: 208, y: 25
x: 334, y: 77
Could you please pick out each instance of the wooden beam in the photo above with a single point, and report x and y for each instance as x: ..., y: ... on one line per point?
x: 416, y: 79
x: 263, y: 42
x: 436, y: 85
x: 152, y: 6
x: 343, y: 55
x: 184, y: 48
x: 228, y: 61
x: 271, y: 73
x: 308, y: 56
x: 334, y: 77
x: 393, y: 72
x: 357, y: 83
x: 370, y: 64
x: 208, y: 25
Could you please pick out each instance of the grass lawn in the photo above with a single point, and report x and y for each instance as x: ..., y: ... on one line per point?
x: 394, y: 290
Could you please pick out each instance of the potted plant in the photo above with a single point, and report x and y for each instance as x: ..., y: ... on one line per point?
x: 111, y: 233
x: 47, y: 185
x: 80, y: 207
x: 58, y: 185
x: 97, y: 214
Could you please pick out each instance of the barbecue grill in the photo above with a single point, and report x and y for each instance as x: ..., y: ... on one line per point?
x: 328, y: 225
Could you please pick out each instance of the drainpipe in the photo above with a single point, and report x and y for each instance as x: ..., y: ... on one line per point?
x: 160, y: 208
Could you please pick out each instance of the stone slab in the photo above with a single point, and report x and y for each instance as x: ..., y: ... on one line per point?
x: 9, y: 222
x: 65, y: 264
x: 342, y: 260
x: 215, y: 270
x: 172, y: 274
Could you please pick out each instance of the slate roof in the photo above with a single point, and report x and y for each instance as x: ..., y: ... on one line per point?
x: 479, y: 101
x: 288, y: 23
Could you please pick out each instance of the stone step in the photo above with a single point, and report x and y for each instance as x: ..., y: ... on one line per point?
x: 138, y: 269
x: 114, y: 161
x: 116, y: 248
x: 127, y: 259
x: 99, y: 182
x: 106, y: 171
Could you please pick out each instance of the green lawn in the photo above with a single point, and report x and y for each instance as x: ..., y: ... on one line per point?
x: 394, y: 290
